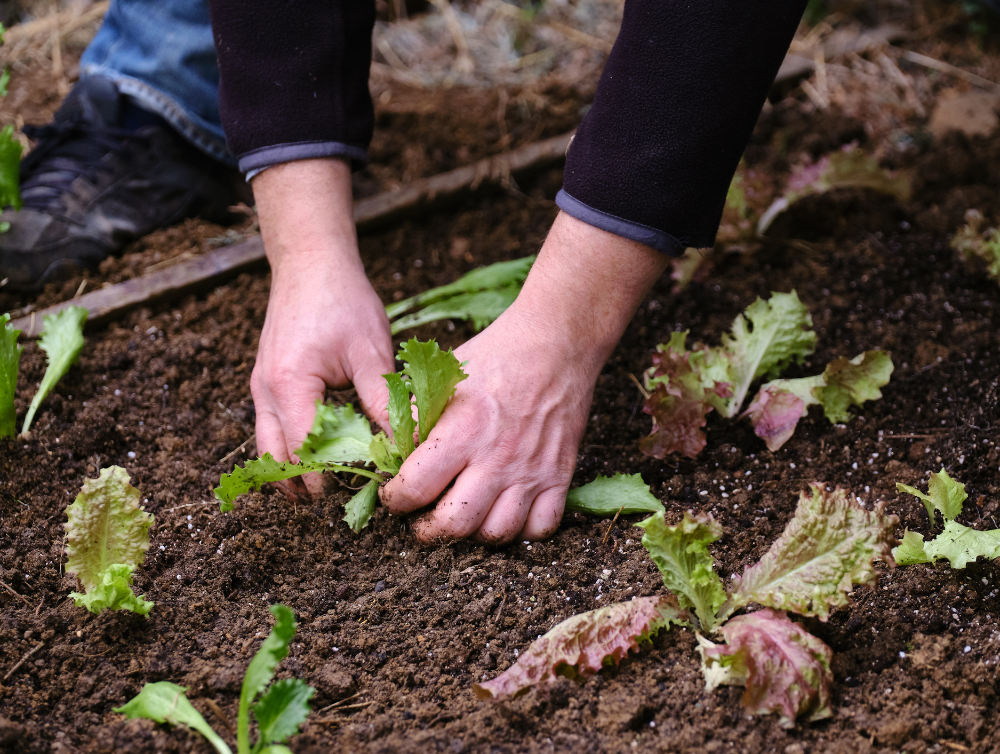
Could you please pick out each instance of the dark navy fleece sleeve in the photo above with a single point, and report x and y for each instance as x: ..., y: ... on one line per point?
x: 294, y: 79
x: 678, y: 99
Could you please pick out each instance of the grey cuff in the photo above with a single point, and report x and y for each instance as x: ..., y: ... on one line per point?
x: 255, y: 161
x: 658, y: 239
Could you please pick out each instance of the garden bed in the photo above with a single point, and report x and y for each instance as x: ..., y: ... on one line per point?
x: 401, y: 631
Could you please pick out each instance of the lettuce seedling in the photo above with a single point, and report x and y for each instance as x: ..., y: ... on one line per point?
x: 62, y: 341
x: 282, y: 708
x: 830, y: 544
x: 480, y: 296
x: 107, y: 535
x: 10, y: 358
x: 10, y: 166
x: 848, y: 168
x: 958, y: 544
x: 779, y: 404
x: 607, y: 496
x: 979, y: 247
x: 340, y: 436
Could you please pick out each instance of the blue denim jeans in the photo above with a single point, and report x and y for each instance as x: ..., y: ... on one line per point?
x: 162, y: 55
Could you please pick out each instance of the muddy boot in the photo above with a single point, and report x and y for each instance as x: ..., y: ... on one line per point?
x: 104, y: 173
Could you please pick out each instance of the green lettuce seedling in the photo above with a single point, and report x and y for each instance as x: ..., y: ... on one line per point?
x: 10, y: 358
x: 107, y: 535
x: 480, y: 296
x: 958, y: 544
x: 830, y: 544
x: 340, y: 436
x: 62, y: 341
x: 282, y: 707
x: 979, y: 247
x: 10, y: 166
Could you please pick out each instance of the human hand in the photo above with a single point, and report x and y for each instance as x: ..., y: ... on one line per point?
x: 508, y: 438
x: 325, y: 325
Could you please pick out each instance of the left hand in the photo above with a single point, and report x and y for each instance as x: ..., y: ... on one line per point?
x: 509, y: 437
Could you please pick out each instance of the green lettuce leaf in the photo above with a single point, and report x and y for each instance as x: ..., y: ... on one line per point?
x: 432, y: 375
x: 338, y: 435
x: 10, y: 359
x: 785, y: 669
x: 113, y: 592
x: 164, y: 702
x: 264, y: 470
x: 482, y: 307
x: 494, y: 276
x: 10, y: 167
x: 401, y: 414
x: 851, y: 382
x: 830, y: 544
x: 605, y: 496
x: 62, y: 341
x: 4, y: 81
x: 911, y: 550
x: 272, y: 651
x: 105, y: 526
x: 765, y: 339
x: 945, y: 495
x: 282, y: 709
x: 848, y: 168
x: 580, y: 646
x: 681, y: 553
x: 385, y: 454
x: 958, y: 544
x: 360, y: 508
x: 981, y: 247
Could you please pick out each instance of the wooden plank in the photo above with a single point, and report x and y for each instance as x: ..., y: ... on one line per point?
x: 212, y: 268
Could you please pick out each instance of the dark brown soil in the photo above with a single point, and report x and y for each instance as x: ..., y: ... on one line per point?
x: 405, y: 630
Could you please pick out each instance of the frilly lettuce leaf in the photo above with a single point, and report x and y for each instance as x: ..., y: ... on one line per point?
x: 10, y: 168
x: 848, y: 168
x: 681, y: 553
x: 385, y: 454
x: 282, y: 709
x: 605, y: 496
x: 359, y: 509
x: 680, y: 399
x: 765, y: 339
x: 580, y: 646
x: 944, y: 494
x: 10, y: 358
x: 779, y: 404
x: 400, y: 415
x: 113, y: 592
x: 272, y: 651
x: 432, y: 375
x: 785, y: 669
x: 975, y: 245
x: 829, y: 545
x: 105, y: 526
x: 958, y: 544
x: 339, y: 435
x: 164, y: 702
x: 62, y: 341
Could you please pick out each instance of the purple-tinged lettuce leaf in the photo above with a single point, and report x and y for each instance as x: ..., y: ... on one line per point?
x: 830, y: 544
x: 944, y: 494
x: 164, y: 702
x: 982, y: 247
x: 679, y: 399
x: 958, y: 544
x: 785, y: 669
x: 694, y: 265
x: 62, y: 341
x: 681, y: 553
x: 851, y: 382
x: 105, y: 526
x: 431, y: 375
x: 10, y: 358
x: 765, y: 339
x: 606, y: 496
x: 778, y: 406
x: 339, y: 435
x: 580, y: 646
x: 113, y: 592
x: 848, y: 168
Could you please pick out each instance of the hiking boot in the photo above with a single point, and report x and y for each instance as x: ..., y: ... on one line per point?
x: 102, y: 174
